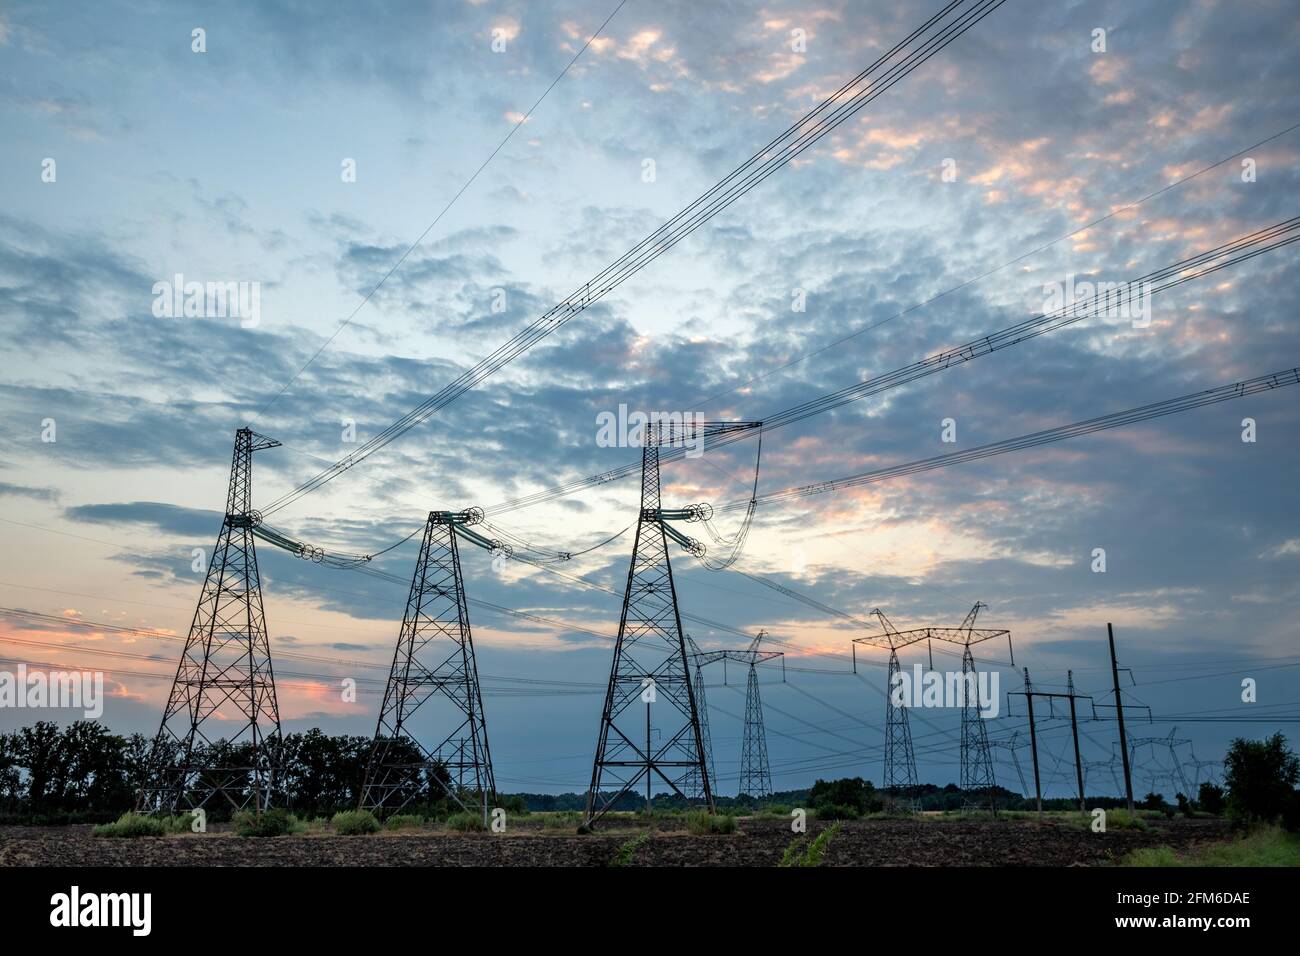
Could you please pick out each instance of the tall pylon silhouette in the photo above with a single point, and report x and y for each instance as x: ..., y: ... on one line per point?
x: 434, y: 673
x: 900, y: 761
x: 220, y: 733
x: 977, y: 779
x: 650, y: 725
x: 698, y: 660
x: 755, y: 772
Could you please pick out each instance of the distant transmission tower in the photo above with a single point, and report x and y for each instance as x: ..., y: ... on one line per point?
x: 434, y: 671
x: 698, y: 660
x: 649, y: 687
x: 755, y: 772
x: 900, y: 761
x: 224, y: 679
x: 1012, y: 744
x: 977, y: 777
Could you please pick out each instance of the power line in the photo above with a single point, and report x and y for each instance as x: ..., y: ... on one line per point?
x: 1211, y: 396
x: 1115, y: 211
x: 899, y: 61
x: 1197, y: 266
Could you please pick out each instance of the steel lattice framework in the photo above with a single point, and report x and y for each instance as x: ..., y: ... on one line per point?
x: 434, y: 660
x: 224, y: 678
x: 699, y: 659
x: 755, y: 772
x: 650, y: 725
x: 977, y: 778
x: 900, y: 760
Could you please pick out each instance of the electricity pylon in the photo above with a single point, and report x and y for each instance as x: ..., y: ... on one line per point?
x: 1108, y: 765
x: 900, y: 761
x: 224, y: 680
x: 434, y: 669
x: 1175, y: 773
x: 1199, y: 766
x: 1012, y: 745
x: 649, y: 665
x: 698, y: 659
x: 755, y: 772
x: 976, y: 758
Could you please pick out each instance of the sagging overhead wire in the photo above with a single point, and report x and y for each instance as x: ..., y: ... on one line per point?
x: 1212, y: 396
x: 1198, y: 266
x: 941, y: 29
x: 1114, y: 210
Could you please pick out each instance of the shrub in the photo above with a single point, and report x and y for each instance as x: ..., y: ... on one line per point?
x: 852, y: 792
x: 703, y: 823
x: 182, y: 823
x: 464, y: 822
x: 1118, y: 819
x: 1184, y: 805
x: 514, y: 805
x: 130, y: 825
x: 354, y: 823
x: 1291, y: 813
x: 269, y: 823
x: 1210, y: 798
x: 836, y: 811
x: 1259, y: 775
x: 404, y: 821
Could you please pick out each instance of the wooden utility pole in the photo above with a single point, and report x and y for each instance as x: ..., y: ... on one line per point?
x: 1119, y: 714
x: 1029, y: 694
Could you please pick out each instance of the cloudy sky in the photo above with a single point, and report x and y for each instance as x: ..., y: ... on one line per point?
x: 130, y: 158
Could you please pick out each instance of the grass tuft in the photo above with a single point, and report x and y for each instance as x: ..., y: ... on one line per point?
x: 625, y: 853
x: 131, y: 825
x: 802, y: 853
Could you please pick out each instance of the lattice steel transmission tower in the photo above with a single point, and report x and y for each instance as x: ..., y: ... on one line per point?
x: 432, y: 734
x: 900, y: 760
x: 698, y: 660
x: 649, y: 685
x: 755, y: 771
x: 977, y: 777
x: 1012, y: 745
x: 1107, y: 765
x: 1174, y: 773
x: 224, y: 680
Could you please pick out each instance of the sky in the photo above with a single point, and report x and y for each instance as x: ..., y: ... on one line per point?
x: 948, y: 208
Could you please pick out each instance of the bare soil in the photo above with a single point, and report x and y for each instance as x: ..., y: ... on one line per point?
x: 756, y: 842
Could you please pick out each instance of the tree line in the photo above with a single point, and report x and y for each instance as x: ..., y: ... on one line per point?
x: 86, y: 773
